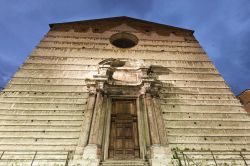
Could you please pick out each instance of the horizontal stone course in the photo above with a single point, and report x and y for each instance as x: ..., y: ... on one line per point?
x: 39, y: 128
x: 53, y: 74
x: 105, y: 46
x: 45, y: 106
x: 208, y: 132
x: 43, y: 100
x: 209, y: 146
x: 209, y: 139
x: 41, y: 117
x: 200, y: 102
x: 33, y: 147
x: 80, y: 53
x: 102, y: 40
x: 107, y: 34
x: 46, y: 123
x: 40, y: 135
x: 44, y: 94
x: 81, y: 67
x: 207, y: 123
x: 45, y: 88
x: 201, y: 116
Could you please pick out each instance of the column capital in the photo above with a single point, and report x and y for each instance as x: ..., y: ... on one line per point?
x: 151, y: 87
x: 91, y: 86
x: 144, y: 87
x: 96, y: 85
x: 155, y: 88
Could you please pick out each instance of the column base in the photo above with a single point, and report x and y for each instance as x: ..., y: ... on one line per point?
x: 160, y: 156
x: 84, y: 162
x: 91, y: 157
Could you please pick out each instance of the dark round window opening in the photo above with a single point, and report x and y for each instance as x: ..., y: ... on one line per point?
x: 124, y: 40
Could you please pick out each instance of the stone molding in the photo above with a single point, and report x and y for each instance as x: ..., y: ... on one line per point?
x: 150, y: 123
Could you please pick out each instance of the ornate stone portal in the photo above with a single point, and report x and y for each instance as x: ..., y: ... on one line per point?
x: 125, y: 81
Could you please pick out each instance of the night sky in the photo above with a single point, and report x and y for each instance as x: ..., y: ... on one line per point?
x: 221, y: 26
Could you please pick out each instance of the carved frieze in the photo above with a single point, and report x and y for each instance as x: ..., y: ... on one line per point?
x: 125, y: 77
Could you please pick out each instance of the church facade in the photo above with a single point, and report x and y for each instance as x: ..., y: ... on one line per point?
x: 121, y: 91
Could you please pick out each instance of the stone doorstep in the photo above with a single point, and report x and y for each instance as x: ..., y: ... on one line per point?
x: 124, y: 163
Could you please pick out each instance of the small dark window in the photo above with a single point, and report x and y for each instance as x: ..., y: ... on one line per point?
x: 124, y: 40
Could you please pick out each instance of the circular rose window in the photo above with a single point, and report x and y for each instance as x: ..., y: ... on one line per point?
x: 124, y: 40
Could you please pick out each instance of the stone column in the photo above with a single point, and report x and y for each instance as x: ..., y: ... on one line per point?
x: 106, y: 128
x: 86, y: 125
x: 85, y: 128
x: 143, y: 128
x: 95, y: 127
x: 160, y: 154
x: 91, y: 154
x: 154, y: 134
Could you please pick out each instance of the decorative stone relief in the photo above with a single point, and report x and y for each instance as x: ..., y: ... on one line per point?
x: 122, y: 78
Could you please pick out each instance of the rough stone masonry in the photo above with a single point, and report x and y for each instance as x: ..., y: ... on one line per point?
x: 120, y: 91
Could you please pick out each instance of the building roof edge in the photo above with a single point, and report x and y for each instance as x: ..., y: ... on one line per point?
x: 124, y: 18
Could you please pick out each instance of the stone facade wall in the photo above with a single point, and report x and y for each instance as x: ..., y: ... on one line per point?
x: 244, y: 98
x: 43, y: 106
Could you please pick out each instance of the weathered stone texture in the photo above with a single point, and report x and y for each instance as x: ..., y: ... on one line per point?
x: 244, y: 98
x: 43, y: 106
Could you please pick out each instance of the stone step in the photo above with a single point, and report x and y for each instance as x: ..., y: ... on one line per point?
x: 124, y: 163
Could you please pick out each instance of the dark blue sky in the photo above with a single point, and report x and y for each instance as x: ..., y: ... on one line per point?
x: 221, y: 26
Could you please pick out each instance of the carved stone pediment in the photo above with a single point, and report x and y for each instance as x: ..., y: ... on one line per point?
x: 126, y: 77
x: 119, y: 72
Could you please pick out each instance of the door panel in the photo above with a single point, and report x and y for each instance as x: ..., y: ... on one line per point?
x: 124, y: 142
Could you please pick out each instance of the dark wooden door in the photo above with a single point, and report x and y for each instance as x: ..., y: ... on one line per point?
x: 124, y: 142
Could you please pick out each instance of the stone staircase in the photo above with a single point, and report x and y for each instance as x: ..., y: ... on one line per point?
x: 124, y: 163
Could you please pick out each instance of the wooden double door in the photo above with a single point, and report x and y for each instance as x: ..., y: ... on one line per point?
x: 123, y: 142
